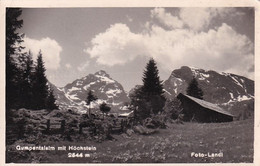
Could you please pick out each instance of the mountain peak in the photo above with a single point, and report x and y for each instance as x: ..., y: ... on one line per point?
x: 218, y: 87
x: 102, y: 73
x: 106, y: 89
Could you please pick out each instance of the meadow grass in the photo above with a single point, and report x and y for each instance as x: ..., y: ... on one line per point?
x: 171, y: 145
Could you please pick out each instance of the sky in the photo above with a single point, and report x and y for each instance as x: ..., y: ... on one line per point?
x: 76, y: 42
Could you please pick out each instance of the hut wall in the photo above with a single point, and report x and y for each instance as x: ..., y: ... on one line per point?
x: 192, y: 111
x: 218, y: 117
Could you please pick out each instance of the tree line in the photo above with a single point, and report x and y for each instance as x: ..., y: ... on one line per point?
x: 26, y: 82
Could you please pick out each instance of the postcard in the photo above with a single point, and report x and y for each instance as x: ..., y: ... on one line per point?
x: 138, y: 83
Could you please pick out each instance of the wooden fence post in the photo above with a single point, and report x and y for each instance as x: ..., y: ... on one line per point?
x: 21, y: 128
x: 62, y: 126
x: 48, y: 124
x: 80, y: 128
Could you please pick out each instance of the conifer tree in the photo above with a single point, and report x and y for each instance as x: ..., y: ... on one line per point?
x: 139, y: 104
x: 25, y: 86
x: 90, y: 98
x: 148, y: 99
x: 40, y: 88
x: 151, y: 80
x: 152, y: 89
x: 50, y: 103
x: 194, y: 90
x: 104, y: 108
x: 13, y: 39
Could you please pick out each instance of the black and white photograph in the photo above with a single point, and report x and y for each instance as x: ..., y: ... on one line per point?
x: 129, y: 85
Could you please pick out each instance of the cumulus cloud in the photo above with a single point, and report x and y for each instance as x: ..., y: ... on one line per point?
x: 68, y: 66
x: 50, y: 51
x: 83, y: 66
x: 221, y: 49
x: 115, y: 46
x: 198, y: 19
x: 166, y: 18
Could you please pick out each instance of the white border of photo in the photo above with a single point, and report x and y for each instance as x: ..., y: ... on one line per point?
x: 133, y: 3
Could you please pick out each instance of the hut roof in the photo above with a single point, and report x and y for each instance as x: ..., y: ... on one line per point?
x: 208, y: 105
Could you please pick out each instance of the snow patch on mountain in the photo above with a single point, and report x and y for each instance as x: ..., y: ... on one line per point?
x: 243, y: 98
x: 79, y: 83
x: 236, y: 81
x: 168, y: 93
x: 107, y: 90
x: 89, y: 85
x: 205, y: 75
x: 73, y: 97
x: 68, y: 97
x: 231, y: 95
x: 224, y: 74
x: 113, y: 92
x: 74, y: 89
x: 105, y: 79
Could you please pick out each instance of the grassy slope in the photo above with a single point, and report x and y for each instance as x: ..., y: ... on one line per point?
x: 171, y: 145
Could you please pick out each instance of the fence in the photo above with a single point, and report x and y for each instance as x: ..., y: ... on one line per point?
x: 59, y: 130
x: 118, y: 127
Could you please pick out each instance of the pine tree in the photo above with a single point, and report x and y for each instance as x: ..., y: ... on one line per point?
x: 104, y: 108
x: 13, y: 39
x: 151, y: 80
x: 194, y: 90
x: 148, y: 99
x: 152, y: 89
x: 90, y: 98
x: 25, y: 86
x: 50, y: 103
x: 139, y: 104
x: 40, y: 87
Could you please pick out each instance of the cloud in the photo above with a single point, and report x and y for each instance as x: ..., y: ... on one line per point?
x: 83, y: 66
x: 130, y: 19
x: 50, y: 48
x: 116, y: 46
x: 166, y: 18
x: 68, y: 66
x: 199, y: 19
x: 220, y: 49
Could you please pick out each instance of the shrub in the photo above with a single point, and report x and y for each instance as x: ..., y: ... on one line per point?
x: 173, y: 108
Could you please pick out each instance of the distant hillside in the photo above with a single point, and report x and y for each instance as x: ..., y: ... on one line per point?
x: 225, y: 89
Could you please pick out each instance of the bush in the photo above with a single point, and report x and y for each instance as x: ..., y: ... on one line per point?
x: 143, y: 130
x: 97, y: 129
x: 173, y: 108
x: 156, y: 121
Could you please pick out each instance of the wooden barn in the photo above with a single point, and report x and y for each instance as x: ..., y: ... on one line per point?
x: 202, y: 111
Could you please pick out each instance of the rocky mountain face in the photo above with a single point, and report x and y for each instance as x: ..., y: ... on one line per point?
x: 74, y: 94
x: 229, y: 91
x: 225, y: 89
x: 218, y: 88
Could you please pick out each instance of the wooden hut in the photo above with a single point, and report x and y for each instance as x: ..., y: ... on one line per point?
x: 195, y: 109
